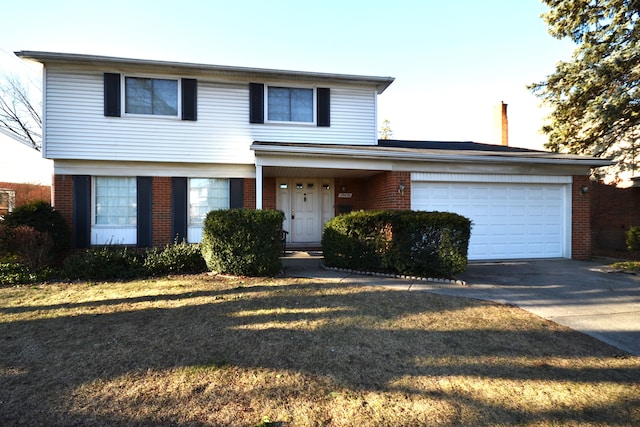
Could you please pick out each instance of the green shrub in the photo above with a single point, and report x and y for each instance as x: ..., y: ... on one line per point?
x: 403, y: 242
x: 14, y: 273
x: 43, y: 218
x: 104, y: 264
x: 429, y: 244
x: 32, y: 247
x: 358, y: 240
x: 179, y: 258
x: 633, y: 239
x: 243, y: 242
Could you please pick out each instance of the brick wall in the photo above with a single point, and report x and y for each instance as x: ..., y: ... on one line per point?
x: 26, y: 193
x: 613, y: 211
x: 383, y: 191
x: 268, y: 193
x: 581, y: 219
x: 161, y: 213
x: 356, y: 188
x: 63, y: 198
x: 249, y: 200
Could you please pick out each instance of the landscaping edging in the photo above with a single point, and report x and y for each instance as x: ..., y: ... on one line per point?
x: 397, y: 276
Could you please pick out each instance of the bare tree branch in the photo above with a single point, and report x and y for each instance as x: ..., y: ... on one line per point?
x: 19, y: 114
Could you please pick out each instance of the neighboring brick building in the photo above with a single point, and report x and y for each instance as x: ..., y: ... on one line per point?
x: 24, y: 175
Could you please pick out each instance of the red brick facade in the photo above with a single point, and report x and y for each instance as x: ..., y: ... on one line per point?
x: 380, y: 191
x: 268, y: 193
x: 249, y: 201
x: 581, y: 219
x: 386, y: 190
x: 63, y: 198
x: 389, y: 190
x: 161, y: 211
x: 613, y: 211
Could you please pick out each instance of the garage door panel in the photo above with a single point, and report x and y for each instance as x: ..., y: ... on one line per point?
x: 509, y: 220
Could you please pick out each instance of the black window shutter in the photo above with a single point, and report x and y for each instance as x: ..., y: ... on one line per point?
x: 256, y: 103
x: 236, y: 193
x: 179, y: 208
x: 112, y: 94
x: 324, y: 107
x: 144, y: 214
x: 81, y: 211
x: 189, y: 99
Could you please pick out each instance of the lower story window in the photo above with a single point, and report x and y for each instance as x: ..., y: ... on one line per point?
x: 205, y: 194
x: 115, y: 210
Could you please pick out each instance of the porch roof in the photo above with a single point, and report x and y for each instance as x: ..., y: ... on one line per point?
x: 427, y: 151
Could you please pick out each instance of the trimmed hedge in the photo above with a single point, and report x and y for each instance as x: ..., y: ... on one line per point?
x: 402, y: 242
x: 243, y: 242
x: 123, y: 263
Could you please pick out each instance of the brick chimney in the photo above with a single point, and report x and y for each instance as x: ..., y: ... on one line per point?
x: 501, y: 124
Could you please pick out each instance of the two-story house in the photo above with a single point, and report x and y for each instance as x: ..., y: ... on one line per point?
x: 143, y: 149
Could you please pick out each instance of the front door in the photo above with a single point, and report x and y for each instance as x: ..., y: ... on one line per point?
x: 307, y: 204
x: 305, y: 215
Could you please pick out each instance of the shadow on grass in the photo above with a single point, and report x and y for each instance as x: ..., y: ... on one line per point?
x: 361, y: 340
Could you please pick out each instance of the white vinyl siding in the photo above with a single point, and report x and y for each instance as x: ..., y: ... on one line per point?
x: 76, y: 127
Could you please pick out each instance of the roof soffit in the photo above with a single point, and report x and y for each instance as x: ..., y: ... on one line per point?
x: 193, y: 69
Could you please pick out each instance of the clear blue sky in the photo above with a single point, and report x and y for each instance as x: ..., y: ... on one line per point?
x: 452, y: 60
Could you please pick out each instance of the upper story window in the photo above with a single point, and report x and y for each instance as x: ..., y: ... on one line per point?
x: 289, y: 104
x: 286, y: 104
x: 151, y: 96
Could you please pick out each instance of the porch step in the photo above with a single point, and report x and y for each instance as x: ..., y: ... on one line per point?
x: 302, y: 259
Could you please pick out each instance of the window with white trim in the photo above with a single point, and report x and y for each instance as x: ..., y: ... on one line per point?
x: 206, y: 194
x: 115, y: 201
x: 151, y: 96
x: 288, y: 104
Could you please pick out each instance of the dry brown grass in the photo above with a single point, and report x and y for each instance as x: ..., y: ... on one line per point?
x: 204, y: 350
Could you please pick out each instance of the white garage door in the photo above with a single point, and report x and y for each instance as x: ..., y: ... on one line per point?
x: 510, y: 220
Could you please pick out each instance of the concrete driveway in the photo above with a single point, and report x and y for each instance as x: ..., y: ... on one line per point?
x: 583, y: 295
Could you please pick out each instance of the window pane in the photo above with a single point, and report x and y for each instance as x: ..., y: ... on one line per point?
x: 165, y: 97
x: 278, y: 106
x: 151, y: 96
x: 290, y: 104
x: 301, y: 105
x: 138, y: 95
x: 205, y: 195
x: 115, y: 201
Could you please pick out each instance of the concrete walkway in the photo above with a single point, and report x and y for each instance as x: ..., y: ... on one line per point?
x: 583, y: 295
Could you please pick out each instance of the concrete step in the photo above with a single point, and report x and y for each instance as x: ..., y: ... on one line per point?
x: 302, y: 259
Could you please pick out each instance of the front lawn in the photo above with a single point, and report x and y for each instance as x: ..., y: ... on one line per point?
x: 225, y: 351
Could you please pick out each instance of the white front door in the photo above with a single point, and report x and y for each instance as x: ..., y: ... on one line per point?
x: 305, y: 212
x: 307, y: 204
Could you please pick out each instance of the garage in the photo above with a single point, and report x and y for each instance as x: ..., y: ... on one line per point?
x: 514, y: 217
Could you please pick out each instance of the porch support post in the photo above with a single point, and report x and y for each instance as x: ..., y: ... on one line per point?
x: 258, y: 186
